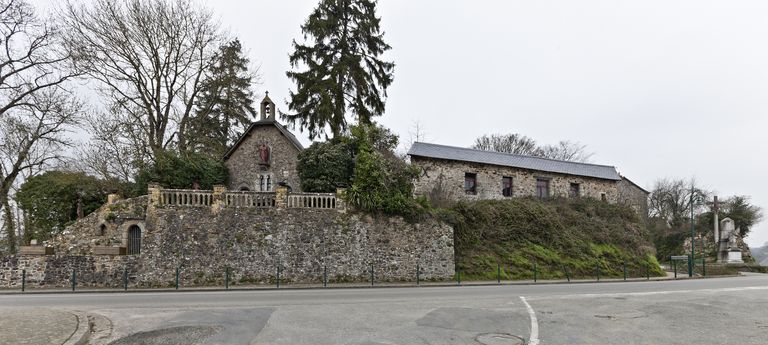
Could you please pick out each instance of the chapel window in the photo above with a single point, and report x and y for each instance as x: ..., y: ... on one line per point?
x: 269, y: 183
x: 506, y: 186
x: 470, y: 183
x: 575, y: 190
x: 542, y: 188
x: 261, y: 183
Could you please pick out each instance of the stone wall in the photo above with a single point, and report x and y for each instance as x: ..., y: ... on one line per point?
x: 243, y: 163
x: 443, y: 180
x: 631, y: 194
x: 252, y: 242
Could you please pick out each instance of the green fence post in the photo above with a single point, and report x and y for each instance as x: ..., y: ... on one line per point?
x: 325, y: 276
x: 278, y: 275
x: 125, y: 279
x: 177, y: 277
x: 535, y: 272
x: 23, y: 280
x: 674, y: 264
x: 74, y: 279
x: 704, y: 267
x: 648, y: 272
x: 372, y: 277
x: 597, y: 271
x: 498, y: 273
x: 690, y: 265
x: 458, y: 276
x: 226, y: 278
x: 567, y: 276
x: 624, y: 267
x: 418, y: 272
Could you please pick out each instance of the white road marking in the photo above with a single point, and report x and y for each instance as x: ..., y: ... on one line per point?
x: 650, y: 293
x: 534, y: 338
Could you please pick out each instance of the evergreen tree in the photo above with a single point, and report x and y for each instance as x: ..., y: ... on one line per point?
x: 343, y: 72
x: 225, y: 107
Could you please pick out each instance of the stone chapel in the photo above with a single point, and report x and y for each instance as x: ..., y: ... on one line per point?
x: 265, y: 156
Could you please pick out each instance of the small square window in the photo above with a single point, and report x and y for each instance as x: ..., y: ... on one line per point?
x: 506, y: 186
x: 470, y: 183
x: 575, y: 190
x: 542, y: 188
x: 603, y: 197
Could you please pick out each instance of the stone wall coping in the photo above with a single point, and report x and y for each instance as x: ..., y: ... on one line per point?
x: 187, y: 190
x: 312, y: 194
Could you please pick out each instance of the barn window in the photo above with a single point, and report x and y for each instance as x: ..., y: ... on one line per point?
x: 102, y: 229
x: 134, y: 240
x: 470, y: 183
x: 575, y: 190
x: 542, y: 188
x: 506, y: 186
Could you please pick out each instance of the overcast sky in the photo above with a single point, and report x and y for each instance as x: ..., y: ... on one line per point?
x: 656, y: 88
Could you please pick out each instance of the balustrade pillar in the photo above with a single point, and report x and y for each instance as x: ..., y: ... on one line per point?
x: 281, y: 197
x: 218, y: 202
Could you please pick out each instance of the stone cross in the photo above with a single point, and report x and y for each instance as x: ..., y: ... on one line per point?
x: 716, y: 213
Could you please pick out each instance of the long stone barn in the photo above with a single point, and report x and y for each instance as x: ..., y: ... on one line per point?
x: 451, y: 173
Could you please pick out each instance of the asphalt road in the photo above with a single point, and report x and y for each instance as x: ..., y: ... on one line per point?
x: 701, y: 311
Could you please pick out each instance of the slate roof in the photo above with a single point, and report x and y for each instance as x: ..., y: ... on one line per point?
x: 512, y: 160
x: 266, y: 122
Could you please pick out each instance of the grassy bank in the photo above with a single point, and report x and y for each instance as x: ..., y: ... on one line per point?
x: 580, y: 237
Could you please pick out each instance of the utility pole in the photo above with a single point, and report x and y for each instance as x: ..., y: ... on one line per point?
x: 693, y: 234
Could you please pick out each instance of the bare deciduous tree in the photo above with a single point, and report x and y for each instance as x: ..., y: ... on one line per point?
x: 671, y: 200
x: 149, y: 58
x: 508, y: 143
x: 522, y: 145
x: 35, y: 109
x: 33, y: 138
x: 31, y: 58
x: 110, y: 154
x: 567, y: 151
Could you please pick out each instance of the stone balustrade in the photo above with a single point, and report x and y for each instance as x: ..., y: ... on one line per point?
x: 220, y: 198
x: 184, y: 197
x: 312, y: 200
x: 249, y: 199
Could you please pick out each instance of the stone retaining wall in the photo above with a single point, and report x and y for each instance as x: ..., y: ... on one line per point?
x: 252, y: 242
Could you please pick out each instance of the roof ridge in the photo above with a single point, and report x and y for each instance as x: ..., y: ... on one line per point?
x: 513, y: 154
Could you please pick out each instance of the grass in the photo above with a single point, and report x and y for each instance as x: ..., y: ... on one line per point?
x: 580, y: 237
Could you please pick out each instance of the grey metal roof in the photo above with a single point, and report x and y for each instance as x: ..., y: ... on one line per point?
x: 511, y: 160
x: 266, y: 122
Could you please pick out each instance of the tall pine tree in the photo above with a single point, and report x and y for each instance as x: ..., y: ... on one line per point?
x: 225, y: 107
x: 342, y: 72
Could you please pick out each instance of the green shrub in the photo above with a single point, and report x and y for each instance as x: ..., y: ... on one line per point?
x: 182, y: 171
x: 382, y: 182
x: 323, y: 167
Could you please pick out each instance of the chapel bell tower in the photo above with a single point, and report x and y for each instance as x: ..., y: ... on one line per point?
x: 268, y: 109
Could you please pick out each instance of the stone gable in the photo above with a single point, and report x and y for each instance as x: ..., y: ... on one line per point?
x: 246, y: 171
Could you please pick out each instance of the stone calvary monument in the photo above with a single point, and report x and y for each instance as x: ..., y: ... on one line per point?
x: 727, y: 247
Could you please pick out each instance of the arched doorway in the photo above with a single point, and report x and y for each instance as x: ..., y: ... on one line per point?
x: 134, y: 240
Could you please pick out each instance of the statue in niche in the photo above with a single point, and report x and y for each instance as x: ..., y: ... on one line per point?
x: 264, y: 154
